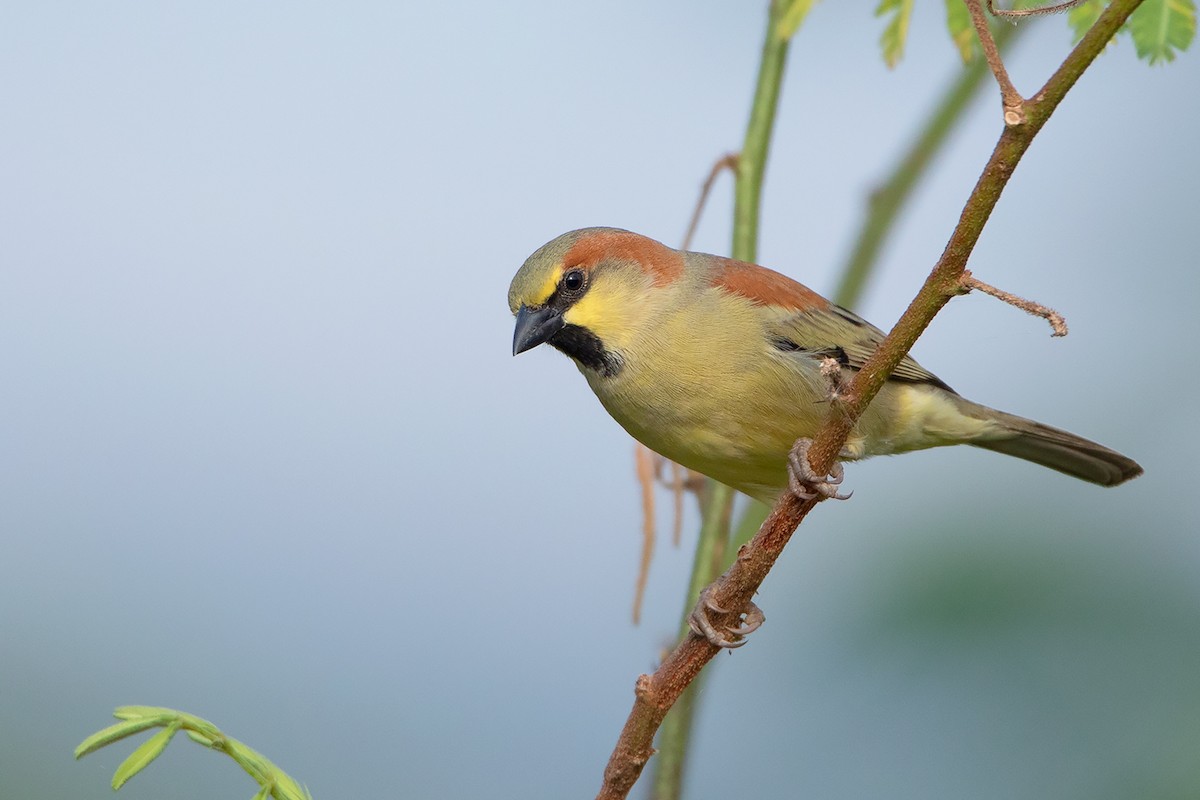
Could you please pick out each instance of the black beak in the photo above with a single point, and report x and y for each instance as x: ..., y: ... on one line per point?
x: 535, y: 326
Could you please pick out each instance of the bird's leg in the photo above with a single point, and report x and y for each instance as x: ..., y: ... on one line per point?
x: 805, y: 483
x: 731, y: 637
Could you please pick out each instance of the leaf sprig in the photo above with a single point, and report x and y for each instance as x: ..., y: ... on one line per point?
x: 272, y: 781
x: 895, y: 34
x: 1160, y: 29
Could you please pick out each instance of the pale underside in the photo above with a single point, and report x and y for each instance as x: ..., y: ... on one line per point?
x: 730, y: 403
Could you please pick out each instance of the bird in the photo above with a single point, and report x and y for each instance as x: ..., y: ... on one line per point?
x: 722, y: 366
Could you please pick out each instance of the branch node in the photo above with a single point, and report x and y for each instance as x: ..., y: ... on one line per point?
x: 831, y: 371
x: 1057, y: 321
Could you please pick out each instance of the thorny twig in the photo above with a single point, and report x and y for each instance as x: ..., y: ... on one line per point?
x: 1013, y: 14
x: 1056, y: 320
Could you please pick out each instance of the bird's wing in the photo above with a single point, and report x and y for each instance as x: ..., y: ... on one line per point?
x: 802, y: 321
x: 834, y: 332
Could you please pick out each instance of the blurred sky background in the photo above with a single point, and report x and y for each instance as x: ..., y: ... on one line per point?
x: 266, y: 456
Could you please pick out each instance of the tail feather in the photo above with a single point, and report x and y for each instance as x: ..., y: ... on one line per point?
x: 1057, y: 449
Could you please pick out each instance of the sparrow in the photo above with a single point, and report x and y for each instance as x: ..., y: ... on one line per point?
x: 721, y: 366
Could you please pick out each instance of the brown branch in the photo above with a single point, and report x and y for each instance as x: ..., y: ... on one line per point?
x: 729, y: 161
x: 1056, y: 320
x: 1008, y: 93
x: 655, y: 693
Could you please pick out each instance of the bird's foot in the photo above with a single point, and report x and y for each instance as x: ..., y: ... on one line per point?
x: 730, y: 637
x: 805, y: 483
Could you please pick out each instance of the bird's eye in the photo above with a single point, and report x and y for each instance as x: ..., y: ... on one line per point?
x: 573, y: 281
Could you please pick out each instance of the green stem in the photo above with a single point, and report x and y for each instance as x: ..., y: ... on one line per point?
x: 886, y: 202
x: 714, y: 532
x: 752, y: 162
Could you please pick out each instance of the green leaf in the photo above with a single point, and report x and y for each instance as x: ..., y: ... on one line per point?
x: 275, y: 782
x: 896, y: 33
x: 287, y: 789
x: 793, y: 17
x: 958, y: 21
x: 262, y: 793
x: 199, y: 738
x: 113, y: 733
x: 136, y: 712
x: 147, y: 751
x: 1082, y: 17
x: 1162, y: 28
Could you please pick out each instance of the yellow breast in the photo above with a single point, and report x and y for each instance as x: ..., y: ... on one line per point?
x: 716, y: 398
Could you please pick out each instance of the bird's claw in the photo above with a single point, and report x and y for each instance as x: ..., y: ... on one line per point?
x: 732, y: 636
x: 806, y: 484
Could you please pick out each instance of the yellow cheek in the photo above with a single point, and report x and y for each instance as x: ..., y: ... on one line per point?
x: 596, y: 313
x: 615, y: 312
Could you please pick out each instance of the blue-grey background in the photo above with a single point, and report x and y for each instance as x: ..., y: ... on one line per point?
x: 265, y: 455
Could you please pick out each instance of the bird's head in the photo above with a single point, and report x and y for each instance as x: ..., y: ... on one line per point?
x: 590, y: 293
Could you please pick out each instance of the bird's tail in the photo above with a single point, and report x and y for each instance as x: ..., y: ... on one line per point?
x: 1055, y: 449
